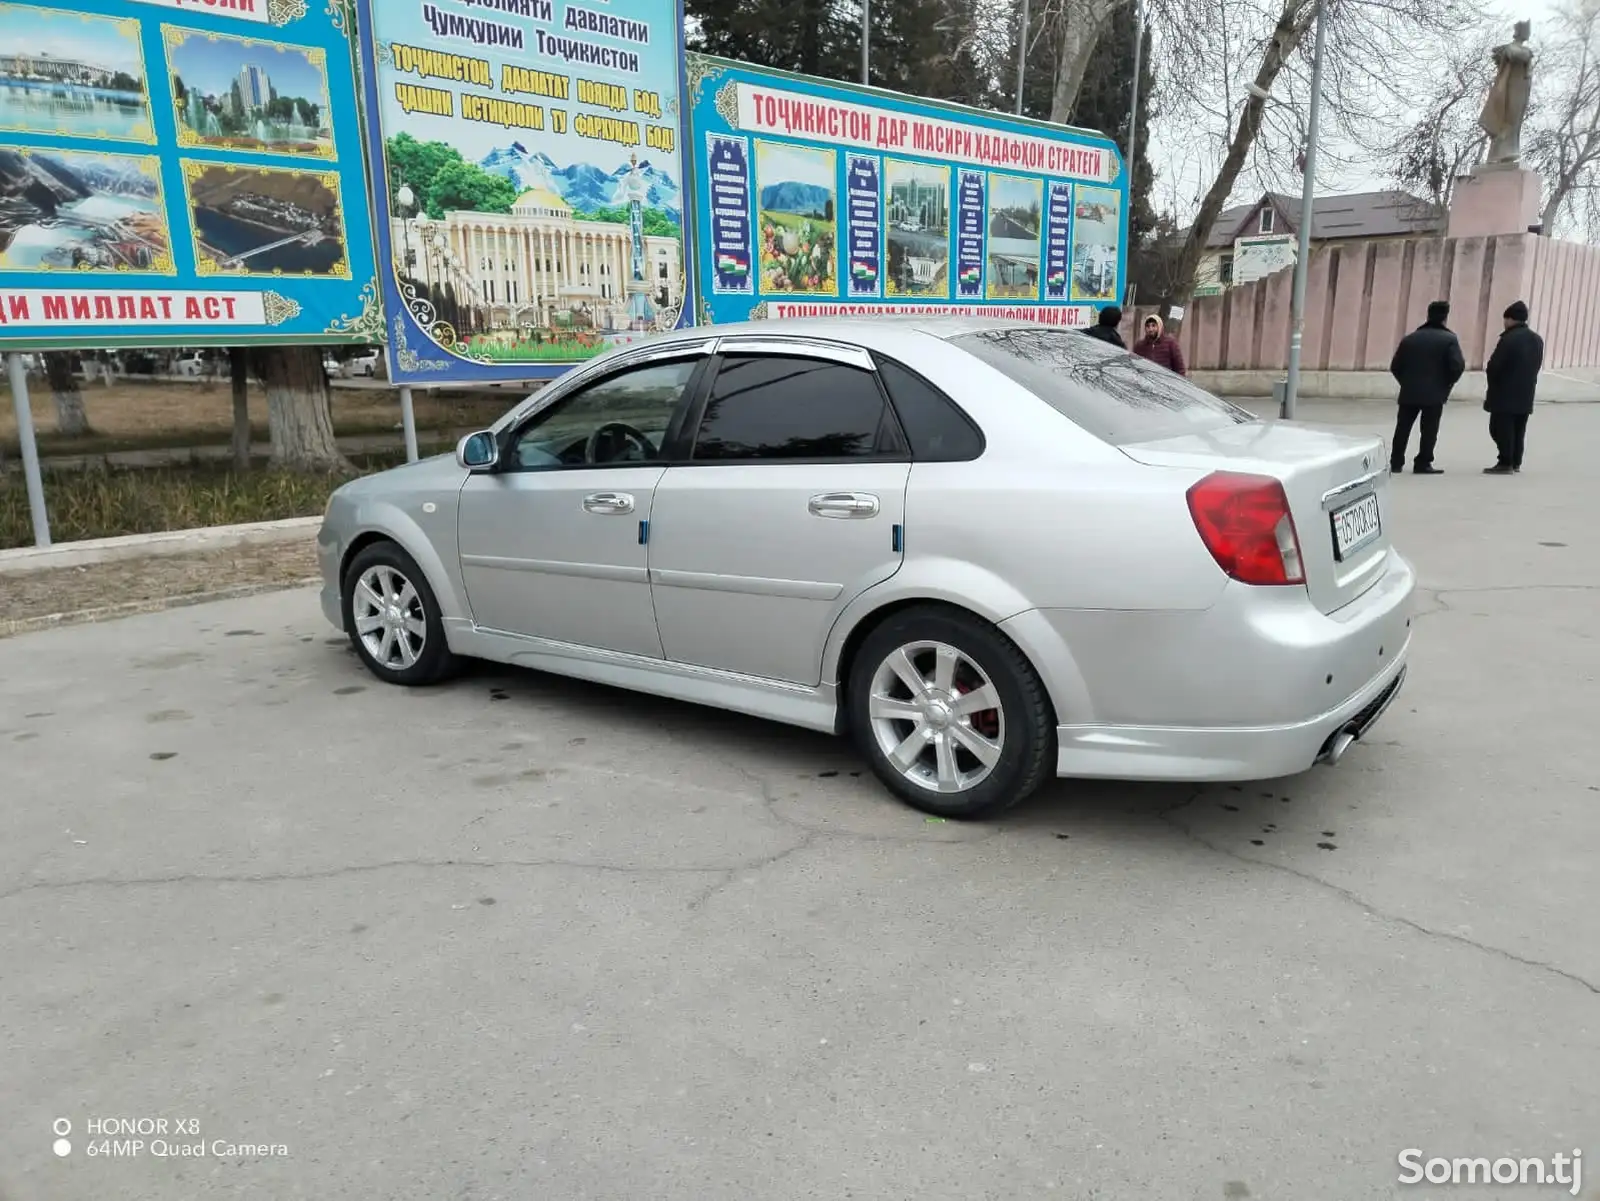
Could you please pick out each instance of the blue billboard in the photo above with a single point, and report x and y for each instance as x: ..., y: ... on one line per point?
x: 817, y: 199
x: 182, y: 173
x: 527, y: 165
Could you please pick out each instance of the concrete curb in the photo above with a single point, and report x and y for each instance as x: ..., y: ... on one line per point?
x: 142, y: 546
x: 11, y: 627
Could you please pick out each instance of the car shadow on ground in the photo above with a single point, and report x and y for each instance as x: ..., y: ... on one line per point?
x: 1235, y: 817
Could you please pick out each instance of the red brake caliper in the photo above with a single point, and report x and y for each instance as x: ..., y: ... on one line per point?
x: 986, y: 721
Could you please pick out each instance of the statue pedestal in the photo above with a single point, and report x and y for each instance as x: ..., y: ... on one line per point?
x: 1497, y: 198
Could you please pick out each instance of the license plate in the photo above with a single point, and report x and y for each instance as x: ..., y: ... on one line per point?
x: 1355, y: 525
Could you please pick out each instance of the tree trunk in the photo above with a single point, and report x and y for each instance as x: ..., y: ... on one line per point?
x: 1285, y: 37
x: 71, y: 420
x: 239, y: 365
x: 1081, y: 26
x: 298, y: 415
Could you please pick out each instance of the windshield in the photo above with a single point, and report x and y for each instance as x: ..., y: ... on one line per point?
x: 1116, y: 396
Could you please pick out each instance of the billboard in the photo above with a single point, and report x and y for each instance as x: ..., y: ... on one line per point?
x: 182, y: 174
x: 817, y: 199
x: 527, y: 166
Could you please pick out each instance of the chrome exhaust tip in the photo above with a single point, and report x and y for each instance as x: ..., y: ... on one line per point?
x: 1336, y: 747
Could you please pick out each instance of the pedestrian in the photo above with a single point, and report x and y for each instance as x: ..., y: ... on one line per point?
x: 1105, y: 329
x: 1513, y: 374
x: 1160, y: 347
x: 1427, y: 364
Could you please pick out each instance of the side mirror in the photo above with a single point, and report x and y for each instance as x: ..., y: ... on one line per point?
x: 477, y: 452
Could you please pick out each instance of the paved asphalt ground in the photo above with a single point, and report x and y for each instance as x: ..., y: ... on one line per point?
x: 519, y: 938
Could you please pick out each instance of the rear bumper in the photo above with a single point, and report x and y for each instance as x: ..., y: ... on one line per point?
x: 1255, y: 687
x: 1202, y: 754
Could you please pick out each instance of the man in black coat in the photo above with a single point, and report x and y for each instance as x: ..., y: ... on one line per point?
x: 1427, y: 364
x: 1106, y: 328
x: 1513, y: 374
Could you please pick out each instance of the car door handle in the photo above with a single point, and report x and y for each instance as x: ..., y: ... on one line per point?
x: 608, y: 502
x: 844, y: 504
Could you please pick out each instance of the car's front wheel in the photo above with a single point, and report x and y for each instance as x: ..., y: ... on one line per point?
x: 951, y: 715
x: 393, y: 618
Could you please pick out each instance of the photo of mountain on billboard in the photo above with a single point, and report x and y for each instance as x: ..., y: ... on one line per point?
x: 1096, y: 227
x: 266, y: 220
x: 917, y: 217
x: 797, y: 197
x: 72, y: 75
x: 1015, y: 211
x: 241, y: 94
x: 70, y: 210
x: 528, y: 260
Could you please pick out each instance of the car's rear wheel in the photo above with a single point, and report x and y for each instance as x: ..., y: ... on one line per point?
x: 951, y: 715
x: 393, y: 619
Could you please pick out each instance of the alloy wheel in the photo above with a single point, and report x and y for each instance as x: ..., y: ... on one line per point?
x: 389, y: 617
x: 937, y: 717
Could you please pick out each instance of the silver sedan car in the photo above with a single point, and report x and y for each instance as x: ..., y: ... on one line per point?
x: 988, y: 552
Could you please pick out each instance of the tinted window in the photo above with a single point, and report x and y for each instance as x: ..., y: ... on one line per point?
x: 1117, y: 396
x: 622, y: 419
x: 937, y: 430
x: 779, y: 408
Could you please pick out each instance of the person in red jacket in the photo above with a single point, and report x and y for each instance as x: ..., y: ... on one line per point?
x: 1160, y: 347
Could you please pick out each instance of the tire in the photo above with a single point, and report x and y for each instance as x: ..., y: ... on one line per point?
x: 399, y: 660
x: 1018, y: 735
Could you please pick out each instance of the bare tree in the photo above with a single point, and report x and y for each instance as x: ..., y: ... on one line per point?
x: 1073, y: 28
x: 61, y: 372
x: 1564, y: 145
x: 1223, y: 59
x: 298, y: 415
x: 1445, y: 142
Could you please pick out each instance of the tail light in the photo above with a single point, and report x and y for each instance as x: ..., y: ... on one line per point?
x: 1245, y: 522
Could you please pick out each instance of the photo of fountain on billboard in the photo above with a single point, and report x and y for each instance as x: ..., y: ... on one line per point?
x: 533, y: 216
x: 72, y: 75
x: 233, y: 93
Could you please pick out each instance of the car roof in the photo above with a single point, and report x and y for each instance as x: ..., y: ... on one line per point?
x: 876, y: 332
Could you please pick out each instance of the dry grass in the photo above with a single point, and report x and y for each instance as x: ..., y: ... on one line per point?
x: 134, y: 415
x: 107, y: 504
x: 126, y: 582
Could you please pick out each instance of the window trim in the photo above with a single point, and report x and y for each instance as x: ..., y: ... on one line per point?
x: 671, y: 441
x: 837, y: 354
x: 983, y: 441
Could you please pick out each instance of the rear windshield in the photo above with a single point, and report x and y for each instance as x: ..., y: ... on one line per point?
x: 1108, y: 392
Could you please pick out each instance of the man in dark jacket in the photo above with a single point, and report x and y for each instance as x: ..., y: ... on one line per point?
x: 1427, y: 364
x: 1105, y: 329
x: 1512, y: 375
x: 1160, y: 347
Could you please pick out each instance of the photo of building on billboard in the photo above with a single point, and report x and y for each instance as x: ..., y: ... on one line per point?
x: 1016, y: 207
x: 535, y: 207
x: 242, y: 94
x: 1096, y: 233
x: 82, y: 211
x: 797, y: 199
x: 70, y: 74
x: 917, y: 222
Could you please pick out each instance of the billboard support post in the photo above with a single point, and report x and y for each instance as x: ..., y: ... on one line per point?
x: 408, y: 421
x: 30, y: 451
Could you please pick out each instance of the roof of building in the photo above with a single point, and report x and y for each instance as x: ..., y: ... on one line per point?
x: 1358, y: 215
x: 543, y: 198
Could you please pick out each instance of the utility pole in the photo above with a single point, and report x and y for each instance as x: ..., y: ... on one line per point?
x: 1307, y: 199
x: 866, y: 43
x: 1133, y: 126
x: 1022, y: 55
